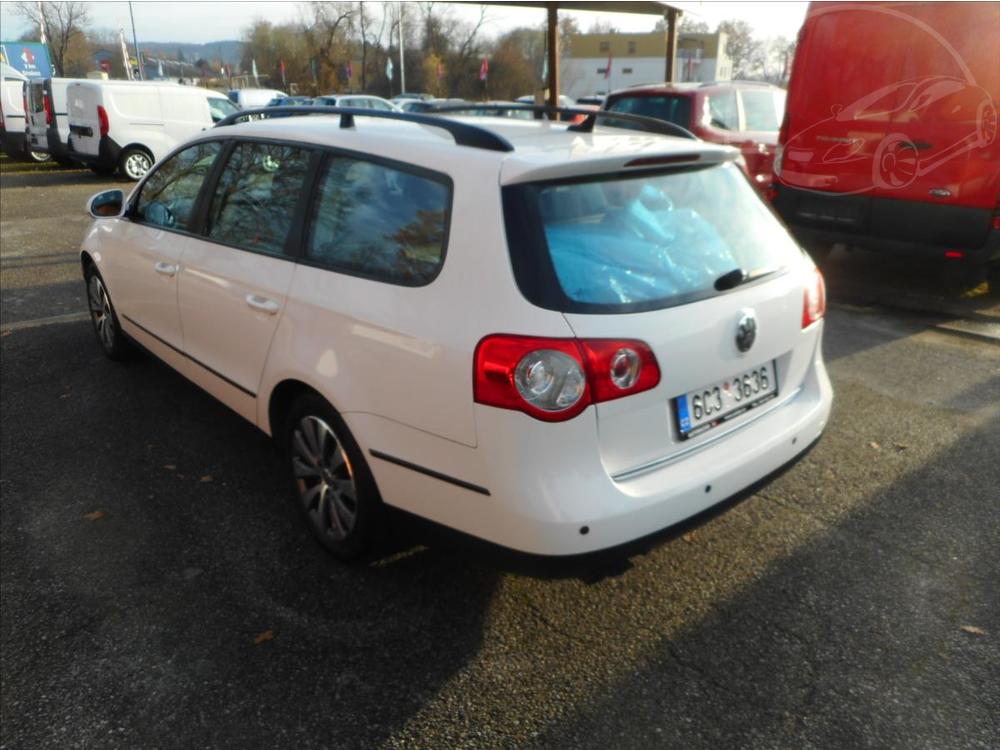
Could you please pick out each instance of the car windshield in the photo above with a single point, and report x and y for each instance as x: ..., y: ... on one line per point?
x: 675, y: 109
x: 616, y: 244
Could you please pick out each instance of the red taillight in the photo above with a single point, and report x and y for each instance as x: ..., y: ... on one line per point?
x: 954, y: 254
x: 47, y: 102
x: 814, y: 300
x: 24, y: 100
x: 102, y: 117
x: 556, y: 379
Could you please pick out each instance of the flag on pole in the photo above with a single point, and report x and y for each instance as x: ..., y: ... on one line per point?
x: 349, y: 70
x: 283, y: 81
x: 253, y: 63
x: 484, y: 70
x: 388, y: 68
x: 607, y: 70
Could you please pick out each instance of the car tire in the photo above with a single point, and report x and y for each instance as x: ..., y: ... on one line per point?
x: 334, y: 489
x: 104, y: 318
x: 134, y: 163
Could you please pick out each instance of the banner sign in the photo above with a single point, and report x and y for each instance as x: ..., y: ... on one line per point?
x: 31, y: 59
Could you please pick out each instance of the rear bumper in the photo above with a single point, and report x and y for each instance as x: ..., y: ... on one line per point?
x: 545, y: 491
x: 106, y: 158
x: 888, y: 225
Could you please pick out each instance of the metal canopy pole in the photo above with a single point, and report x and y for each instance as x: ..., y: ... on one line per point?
x: 672, y: 15
x: 553, y: 53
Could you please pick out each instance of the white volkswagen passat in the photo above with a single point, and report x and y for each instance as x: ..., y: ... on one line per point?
x: 556, y: 338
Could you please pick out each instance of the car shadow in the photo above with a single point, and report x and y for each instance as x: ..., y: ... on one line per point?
x: 860, y: 638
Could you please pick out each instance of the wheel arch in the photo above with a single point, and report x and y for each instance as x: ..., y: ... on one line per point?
x: 281, y: 398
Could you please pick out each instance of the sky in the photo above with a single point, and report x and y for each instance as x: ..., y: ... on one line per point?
x: 208, y: 21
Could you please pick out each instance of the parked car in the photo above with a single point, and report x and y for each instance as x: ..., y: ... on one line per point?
x: 290, y: 101
x: 13, y: 136
x: 404, y: 96
x: 743, y: 114
x: 900, y: 154
x: 47, y: 118
x: 556, y: 341
x: 127, y: 126
x: 358, y: 101
x: 247, y: 98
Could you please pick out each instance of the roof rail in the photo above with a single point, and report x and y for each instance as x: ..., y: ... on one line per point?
x: 648, y: 124
x: 463, y: 133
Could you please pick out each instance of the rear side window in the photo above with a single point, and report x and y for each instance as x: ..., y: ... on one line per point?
x: 632, y: 243
x: 380, y: 222
x: 675, y: 109
x: 254, y: 202
x: 763, y: 110
x: 168, y: 195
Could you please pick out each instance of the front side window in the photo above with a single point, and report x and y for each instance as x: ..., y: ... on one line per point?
x: 763, y: 110
x: 168, y: 195
x: 379, y: 222
x: 221, y: 108
x: 615, y: 244
x: 721, y: 111
x: 254, y: 202
x: 675, y: 109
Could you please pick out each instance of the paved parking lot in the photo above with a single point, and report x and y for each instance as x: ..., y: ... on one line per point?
x: 158, y: 589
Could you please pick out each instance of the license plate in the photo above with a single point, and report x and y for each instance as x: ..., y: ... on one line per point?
x: 708, y: 407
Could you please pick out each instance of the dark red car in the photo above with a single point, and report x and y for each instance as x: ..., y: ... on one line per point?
x: 743, y: 114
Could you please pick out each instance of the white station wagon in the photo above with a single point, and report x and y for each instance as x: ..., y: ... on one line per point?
x: 558, y: 338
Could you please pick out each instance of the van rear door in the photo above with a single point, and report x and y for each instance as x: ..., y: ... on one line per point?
x: 82, y: 100
x: 842, y: 93
x: 941, y: 146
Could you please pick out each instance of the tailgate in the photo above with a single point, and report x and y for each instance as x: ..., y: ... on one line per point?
x: 84, y: 123
x: 696, y: 349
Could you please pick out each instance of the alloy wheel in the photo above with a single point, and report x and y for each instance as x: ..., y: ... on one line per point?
x: 137, y: 164
x: 100, y: 312
x: 324, y: 477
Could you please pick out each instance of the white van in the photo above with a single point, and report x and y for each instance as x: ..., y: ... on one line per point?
x: 12, y: 123
x: 127, y: 125
x: 47, y: 119
x: 247, y: 98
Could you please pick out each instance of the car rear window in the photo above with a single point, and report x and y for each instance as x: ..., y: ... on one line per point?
x: 763, y: 109
x: 623, y: 243
x: 675, y: 109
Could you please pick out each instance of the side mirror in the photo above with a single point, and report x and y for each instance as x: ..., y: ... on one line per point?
x: 106, y: 204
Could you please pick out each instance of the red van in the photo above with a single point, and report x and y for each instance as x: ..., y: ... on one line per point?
x: 889, y: 140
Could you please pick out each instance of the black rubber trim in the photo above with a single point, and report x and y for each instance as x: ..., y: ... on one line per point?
x: 217, y: 374
x: 463, y: 133
x: 430, y: 472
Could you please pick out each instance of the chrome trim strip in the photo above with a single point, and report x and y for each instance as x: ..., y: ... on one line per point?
x: 624, y: 476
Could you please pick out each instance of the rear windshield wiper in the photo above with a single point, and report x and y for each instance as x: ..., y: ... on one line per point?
x: 736, y: 277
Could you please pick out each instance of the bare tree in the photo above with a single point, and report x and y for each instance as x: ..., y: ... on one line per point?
x: 64, y: 23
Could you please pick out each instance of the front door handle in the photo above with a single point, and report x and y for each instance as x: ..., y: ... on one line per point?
x: 166, y: 269
x: 262, y: 303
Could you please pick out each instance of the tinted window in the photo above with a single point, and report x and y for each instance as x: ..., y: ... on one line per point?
x: 721, y: 111
x: 254, y: 202
x: 169, y: 193
x: 221, y: 108
x: 380, y: 222
x: 763, y: 110
x: 646, y: 242
x: 675, y: 109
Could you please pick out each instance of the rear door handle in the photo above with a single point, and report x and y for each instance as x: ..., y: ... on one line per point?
x: 262, y: 303
x: 166, y: 269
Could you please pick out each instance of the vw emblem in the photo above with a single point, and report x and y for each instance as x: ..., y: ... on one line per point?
x: 746, y: 331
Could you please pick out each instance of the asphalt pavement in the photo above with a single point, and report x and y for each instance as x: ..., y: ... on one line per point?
x: 157, y: 588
